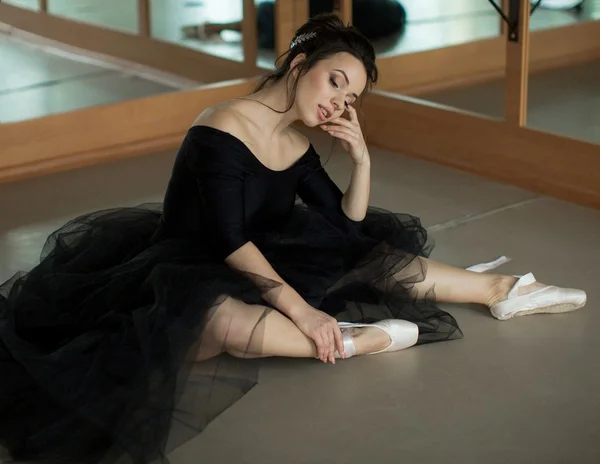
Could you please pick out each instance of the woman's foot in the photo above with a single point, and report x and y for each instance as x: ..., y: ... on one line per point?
x: 383, y: 336
x: 369, y: 339
x: 524, y: 296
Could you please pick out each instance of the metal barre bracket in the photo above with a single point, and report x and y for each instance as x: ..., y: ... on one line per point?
x: 513, y: 17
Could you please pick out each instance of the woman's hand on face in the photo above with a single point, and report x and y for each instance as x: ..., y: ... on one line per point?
x: 350, y: 133
x: 324, y: 331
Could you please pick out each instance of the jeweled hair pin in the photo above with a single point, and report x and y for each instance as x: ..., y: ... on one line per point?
x: 303, y: 38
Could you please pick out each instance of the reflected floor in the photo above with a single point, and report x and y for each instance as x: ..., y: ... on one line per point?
x: 562, y: 101
x: 36, y: 83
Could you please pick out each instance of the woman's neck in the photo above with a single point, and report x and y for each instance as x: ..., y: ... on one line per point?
x: 276, y: 97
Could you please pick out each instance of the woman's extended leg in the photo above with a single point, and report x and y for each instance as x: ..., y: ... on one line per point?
x: 506, y: 296
x: 253, y: 331
x: 454, y: 285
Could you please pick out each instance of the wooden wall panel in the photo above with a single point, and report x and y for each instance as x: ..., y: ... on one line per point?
x: 550, y: 164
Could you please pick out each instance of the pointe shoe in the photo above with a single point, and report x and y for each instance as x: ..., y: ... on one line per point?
x: 549, y: 299
x: 199, y: 32
x: 403, y: 334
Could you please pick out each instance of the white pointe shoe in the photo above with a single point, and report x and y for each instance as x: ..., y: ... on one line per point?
x: 549, y: 299
x: 403, y: 334
x: 198, y: 32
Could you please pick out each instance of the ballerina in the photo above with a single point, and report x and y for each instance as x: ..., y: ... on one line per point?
x: 98, y: 341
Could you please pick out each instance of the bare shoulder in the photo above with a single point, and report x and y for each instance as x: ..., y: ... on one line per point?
x: 223, y: 116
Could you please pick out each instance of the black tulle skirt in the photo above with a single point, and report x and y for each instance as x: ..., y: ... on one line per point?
x: 99, y: 342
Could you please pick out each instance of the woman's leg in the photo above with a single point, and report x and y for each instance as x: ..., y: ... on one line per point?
x: 253, y: 331
x: 455, y: 285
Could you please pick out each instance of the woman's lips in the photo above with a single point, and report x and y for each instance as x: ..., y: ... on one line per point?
x: 323, y: 113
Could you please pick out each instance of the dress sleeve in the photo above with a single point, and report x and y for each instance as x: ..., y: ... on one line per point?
x: 220, y: 174
x: 316, y: 189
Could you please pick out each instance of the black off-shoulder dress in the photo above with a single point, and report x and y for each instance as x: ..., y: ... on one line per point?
x: 96, y: 340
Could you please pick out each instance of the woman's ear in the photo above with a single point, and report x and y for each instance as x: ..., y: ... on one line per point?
x: 299, y: 59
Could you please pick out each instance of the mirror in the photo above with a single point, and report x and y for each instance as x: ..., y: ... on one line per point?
x: 27, y: 4
x: 555, y: 87
x: 38, y: 79
x: 434, y: 24
x: 565, y: 99
x: 209, y: 26
x: 120, y: 15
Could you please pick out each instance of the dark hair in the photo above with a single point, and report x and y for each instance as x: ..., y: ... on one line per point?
x: 319, y: 38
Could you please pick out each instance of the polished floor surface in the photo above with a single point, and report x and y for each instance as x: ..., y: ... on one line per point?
x: 523, y: 391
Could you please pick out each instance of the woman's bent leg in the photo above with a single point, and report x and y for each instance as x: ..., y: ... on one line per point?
x: 254, y: 331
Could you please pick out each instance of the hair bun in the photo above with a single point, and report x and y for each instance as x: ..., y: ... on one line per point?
x: 320, y: 37
x: 322, y: 25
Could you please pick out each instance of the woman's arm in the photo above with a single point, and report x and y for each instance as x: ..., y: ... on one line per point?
x: 321, y: 328
x: 355, y: 201
x: 220, y: 177
x: 318, y: 326
x: 356, y: 198
x: 249, y: 260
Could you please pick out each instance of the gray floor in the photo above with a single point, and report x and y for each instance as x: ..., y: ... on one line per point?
x: 522, y: 391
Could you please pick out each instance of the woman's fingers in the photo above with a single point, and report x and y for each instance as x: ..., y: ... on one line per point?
x: 327, y: 337
x: 336, y: 340
x: 331, y: 347
x: 344, y: 135
x: 320, y: 344
x: 352, y: 113
x: 339, y: 340
x: 341, y: 122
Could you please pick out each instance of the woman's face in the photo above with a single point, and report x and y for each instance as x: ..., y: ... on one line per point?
x: 325, y: 90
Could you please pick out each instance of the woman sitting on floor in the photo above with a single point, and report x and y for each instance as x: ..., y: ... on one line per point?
x: 109, y: 342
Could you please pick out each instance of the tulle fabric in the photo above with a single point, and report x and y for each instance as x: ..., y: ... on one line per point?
x: 99, y: 341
